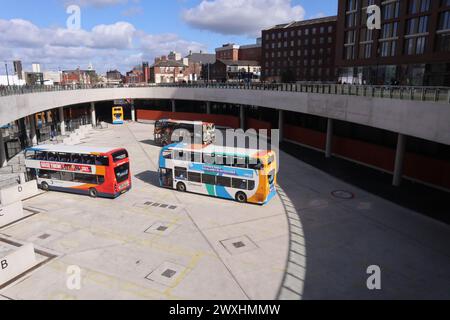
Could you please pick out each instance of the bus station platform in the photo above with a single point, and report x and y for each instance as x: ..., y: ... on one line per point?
x: 316, y: 239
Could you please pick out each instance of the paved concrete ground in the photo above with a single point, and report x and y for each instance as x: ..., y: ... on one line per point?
x: 307, y: 243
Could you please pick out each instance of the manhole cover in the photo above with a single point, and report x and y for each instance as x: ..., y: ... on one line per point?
x: 239, y: 244
x: 168, y: 273
x: 342, y: 194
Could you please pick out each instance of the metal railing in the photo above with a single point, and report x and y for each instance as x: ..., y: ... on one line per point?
x: 436, y: 94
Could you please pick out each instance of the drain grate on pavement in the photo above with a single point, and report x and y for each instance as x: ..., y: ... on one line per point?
x: 239, y: 245
x: 161, y: 228
x: 147, y: 204
x: 44, y: 238
x: 168, y: 274
x: 342, y: 194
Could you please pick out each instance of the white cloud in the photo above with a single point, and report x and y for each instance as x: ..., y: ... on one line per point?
x: 242, y: 17
x: 118, y: 45
x: 156, y: 45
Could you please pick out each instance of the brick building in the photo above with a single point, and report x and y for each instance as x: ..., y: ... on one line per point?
x: 412, y: 47
x: 78, y: 76
x: 300, y: 51
x: 168, y: 71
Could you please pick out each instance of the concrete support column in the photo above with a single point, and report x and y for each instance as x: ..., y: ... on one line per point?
x: 281, y: 124
x: 33, y: 136
x: 329, y: 145
x: 3, y: 161
x: 399, y: 158
x: 174, y: 106
x: 62, y: 121
x: 93, y: 114
x: 208, y: 107
x: 242, y: 116
x: 133, y: 113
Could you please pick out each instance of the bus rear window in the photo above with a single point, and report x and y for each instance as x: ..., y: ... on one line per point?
x: 122, y: 172
x: 120, y: 155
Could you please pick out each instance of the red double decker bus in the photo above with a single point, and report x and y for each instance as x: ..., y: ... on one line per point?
x: 98, y: 172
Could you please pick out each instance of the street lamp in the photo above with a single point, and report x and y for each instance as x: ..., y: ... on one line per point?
x: 7, y: 75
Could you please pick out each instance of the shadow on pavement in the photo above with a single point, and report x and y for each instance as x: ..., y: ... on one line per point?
x: 150, y: 177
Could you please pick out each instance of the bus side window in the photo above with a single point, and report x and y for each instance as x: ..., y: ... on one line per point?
x: 195, y: 177
x: 181, y: 155
x: 251, y: 185
x: 30, y: 155
x: 88, y: 159
x: 196, y: 157
x: 63, y: 157
x: 100, y: 180
x: 208, y: 159
x: 43, y: 174
x: 41, y: 156
x: 255, y: 164
x: 208, y: 179
x: 66, y: 176
x: 240, y: 162
x: 76, y: 158
x: 220, y: 160
x: 167, y: 155
x: 239, y: 184
x: 52, y: 156
x: 180, y: 173
x: 55, y: 175
x: 224, y: 182
x: 101, y: 161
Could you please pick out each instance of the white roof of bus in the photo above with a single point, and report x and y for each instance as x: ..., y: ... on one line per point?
x: 216, y: 149
x: 71, y: 149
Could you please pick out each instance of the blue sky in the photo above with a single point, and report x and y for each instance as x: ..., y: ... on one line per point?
x: 121, y: 33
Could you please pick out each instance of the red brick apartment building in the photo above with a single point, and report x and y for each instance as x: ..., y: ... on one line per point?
x: 412, y: 47
x: 300, y: 51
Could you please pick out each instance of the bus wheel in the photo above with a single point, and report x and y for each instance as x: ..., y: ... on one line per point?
x: 44, y: 186
x: 93, y: 192
x: 241, y: 197
x: 181, y: 187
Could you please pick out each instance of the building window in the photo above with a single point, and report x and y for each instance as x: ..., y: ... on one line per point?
x: 389, y: 30
x: 330, y: 29
x: 415, y: 45
x: 350, y: 20
x: 351, y: 5
x: 390, y: 10
x: 443, y: 42
x: 444, y: 20
x: 417, y: 6
x: 388, y: 48
x: 365, y: 51
x: 417, y: 25
x: 349, y: 52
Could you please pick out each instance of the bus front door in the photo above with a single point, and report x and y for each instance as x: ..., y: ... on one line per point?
x: 166, y: 176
